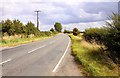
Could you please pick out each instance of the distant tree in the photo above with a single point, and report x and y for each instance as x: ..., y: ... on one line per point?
x: 58, y: 26
x: 1, y: 29
x: 31, y: 29
x: 75, y: 31
x: 52, y: 30
x: 6, y: 25
x: 67, y: 31
x: 17, y: 27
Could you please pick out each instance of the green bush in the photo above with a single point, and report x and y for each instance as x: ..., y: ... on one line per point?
x: 67, y: 31
x: 109, y: 36
x: 112, y: 40
x: 58, y: 27
x: 76, y: 31
x: 52, y: 30
x: 97, y: 34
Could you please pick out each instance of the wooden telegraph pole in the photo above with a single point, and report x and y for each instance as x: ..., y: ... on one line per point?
x: 37, y: 18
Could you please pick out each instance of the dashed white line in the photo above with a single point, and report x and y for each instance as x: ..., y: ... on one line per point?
x: 5, y: 61
x: 61, y: 58
x: 36, y: 49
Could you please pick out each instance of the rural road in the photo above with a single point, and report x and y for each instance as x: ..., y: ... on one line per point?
x: 41, y: 58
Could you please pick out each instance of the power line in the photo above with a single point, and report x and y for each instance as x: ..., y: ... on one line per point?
x: 37, y: 18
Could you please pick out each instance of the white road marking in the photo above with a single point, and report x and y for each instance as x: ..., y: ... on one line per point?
x: 5, y: 61
x: 61, y: 58
x: 36, y: 49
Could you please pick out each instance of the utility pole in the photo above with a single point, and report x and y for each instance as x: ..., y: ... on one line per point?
x: 37, y: 18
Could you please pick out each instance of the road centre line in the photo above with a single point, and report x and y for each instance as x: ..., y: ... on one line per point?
x: 36, y: 49
x: 5, y: 61
x: 61, y: 58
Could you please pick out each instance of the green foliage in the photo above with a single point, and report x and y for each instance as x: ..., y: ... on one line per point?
x: 58, y: 27
x: 16, y: 27
x: 0, y: 29
x: 109, y: 36
x: 92, y: 60
x: 76, y: 31
x: 18, y: 41
x: 96, y: 34
x: 112, y: 40
x: 6, y: 25
x: 52, y: 30
x: 31, y: 29
x: 67, y: 31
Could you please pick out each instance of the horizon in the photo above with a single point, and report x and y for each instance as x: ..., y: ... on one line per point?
x: 69, y: 14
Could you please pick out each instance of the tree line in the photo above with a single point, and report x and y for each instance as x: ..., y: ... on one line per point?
x: 16, y: 27
x: 108, y: 36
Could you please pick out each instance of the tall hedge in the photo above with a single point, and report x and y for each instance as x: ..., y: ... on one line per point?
x: 109, y: 36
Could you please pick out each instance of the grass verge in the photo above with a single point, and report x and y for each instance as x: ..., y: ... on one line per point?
x: 90, y: 57
x: 18, y: 41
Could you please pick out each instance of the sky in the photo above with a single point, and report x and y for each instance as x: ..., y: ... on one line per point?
x: 70, y: 13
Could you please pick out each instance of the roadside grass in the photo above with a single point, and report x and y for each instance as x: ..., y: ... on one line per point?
x: 17, y: 41
x: 90, y: 57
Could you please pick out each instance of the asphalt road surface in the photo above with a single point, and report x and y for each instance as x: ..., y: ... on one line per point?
x: 40, y: 58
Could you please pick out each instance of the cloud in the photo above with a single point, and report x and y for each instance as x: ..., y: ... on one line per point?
x: 83, y: 26
x: 66, y: 12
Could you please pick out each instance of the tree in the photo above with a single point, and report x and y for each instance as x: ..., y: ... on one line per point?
x: 67, y: 31
x: 31, y: 29
x: 58, y: 26
x: 52, y: 30
x: 6, y: 25
x: 17, y: 26
x: 75, y: 31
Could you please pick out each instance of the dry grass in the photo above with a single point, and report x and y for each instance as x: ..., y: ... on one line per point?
x: 9, y: 41
x: 90, y: 57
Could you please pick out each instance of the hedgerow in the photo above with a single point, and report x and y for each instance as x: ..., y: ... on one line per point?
x: 108, y: 36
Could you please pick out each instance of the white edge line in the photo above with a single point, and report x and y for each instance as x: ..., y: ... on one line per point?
x: 61, y: 58
x: 5, y: 61
x: 36, y: 49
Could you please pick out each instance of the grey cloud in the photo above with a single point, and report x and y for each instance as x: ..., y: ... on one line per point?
x: 95, y: 7
x: 71, y: 15
x: 60, y: 12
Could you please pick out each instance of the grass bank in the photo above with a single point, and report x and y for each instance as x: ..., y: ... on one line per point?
x: 9, y: 42
x: 92, y: 60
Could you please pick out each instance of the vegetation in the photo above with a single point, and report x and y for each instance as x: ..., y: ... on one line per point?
x: 76, y: 31
x: 13, y: 41
x: 52, y: 30
x: 108, y: 36
x: 67, y: 31
x: 90, y: 57
x: 98, y: 49
x: 16, y: 27
x: 15, y: 32
x: 58, y: 27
